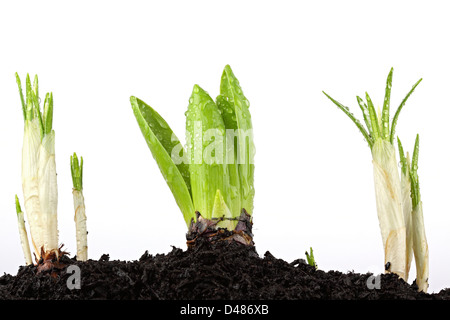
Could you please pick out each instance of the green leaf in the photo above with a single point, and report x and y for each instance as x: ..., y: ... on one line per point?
x: 18, y: 209
x: 231, y: 155
x: 22, y: 100
x: 76, y: 169
x: 206, y: 146
x: 48, y: 113
x: 386, y: 106
x: 160, y: 138
x: 30, y: 112
x: 36, y: 86
x: 232, y: 91
x: 397, y: 113
x: 403, y: 160
x: 358, y: 124
x: 310, y: 258
x: 373, y: 118
x: 221, y: 211
x: 415, y: 189
x: 167, y: 138
x: 38, y: 114
x: 366, y: 115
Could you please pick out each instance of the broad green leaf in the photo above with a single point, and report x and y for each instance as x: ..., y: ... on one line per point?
x: 206, y: 145
x: 232, y: 91
x: 229, y: 119
x: 159, y: 138
x: 167, y: 138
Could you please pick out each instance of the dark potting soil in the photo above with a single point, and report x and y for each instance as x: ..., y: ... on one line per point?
x: 220, y: 271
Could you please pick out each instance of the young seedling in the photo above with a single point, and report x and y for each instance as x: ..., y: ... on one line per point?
x: 310, y: 258
x: 23, y: 234
x: 39, y: 172
x: 212, y: 178
x: 78, y: 203
x: 380, y: 137
x: 416, y: 237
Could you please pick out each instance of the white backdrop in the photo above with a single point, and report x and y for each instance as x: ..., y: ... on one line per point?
x: 313, y: 178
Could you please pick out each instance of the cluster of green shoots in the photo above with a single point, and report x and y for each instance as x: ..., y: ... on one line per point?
x: 397, y: 195
x: 39, y: 183
x: 211, y: 175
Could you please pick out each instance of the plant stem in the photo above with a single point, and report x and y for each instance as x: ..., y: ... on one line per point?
x: 80, y: 210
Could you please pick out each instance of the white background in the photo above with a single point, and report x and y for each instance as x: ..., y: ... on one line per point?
x: 313, y: 178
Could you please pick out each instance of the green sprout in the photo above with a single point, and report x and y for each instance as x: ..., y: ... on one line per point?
x: 76, y: 168
x: 23, y: 234
x: 310, y: 258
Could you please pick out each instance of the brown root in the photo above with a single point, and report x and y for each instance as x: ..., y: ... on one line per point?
x: 50, y: 260
x: 208, y: 229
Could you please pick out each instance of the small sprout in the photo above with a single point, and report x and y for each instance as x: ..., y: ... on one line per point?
x: 76, y: 169
x: 310, y: 258
x: 23, y: 234
x: 80, y: 211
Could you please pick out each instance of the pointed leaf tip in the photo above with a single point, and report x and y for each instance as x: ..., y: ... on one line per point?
x: 18, y: 208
